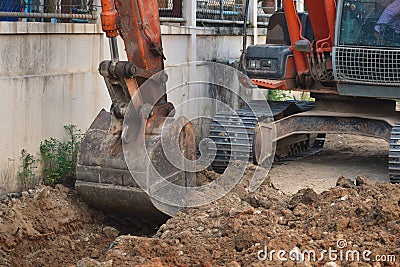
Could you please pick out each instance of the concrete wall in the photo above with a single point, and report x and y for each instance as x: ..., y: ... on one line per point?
x: 49, y: 78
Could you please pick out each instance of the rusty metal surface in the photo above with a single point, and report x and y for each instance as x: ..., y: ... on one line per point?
x: 104, y: 180
x: 107, y: 165
x: 270, y: 84
x: 368, y: 117
x: 109, y: 18
x: 120, y: 200
x: 139, y: 25
x: 290, y: 84
x: 332, y: 123
x: 354, y: 105
x: 117, y: 89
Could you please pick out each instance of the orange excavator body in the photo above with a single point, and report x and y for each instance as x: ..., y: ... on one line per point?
x: 334, y: 52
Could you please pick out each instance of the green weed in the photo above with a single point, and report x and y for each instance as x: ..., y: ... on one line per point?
x: 279, y: 95
x: 59, y: 158
x: 27, y: 176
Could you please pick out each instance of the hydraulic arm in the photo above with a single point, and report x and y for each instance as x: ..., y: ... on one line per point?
x: 103, y: 177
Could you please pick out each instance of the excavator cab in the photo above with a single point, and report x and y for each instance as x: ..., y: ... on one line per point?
x: 358, y: 20
x: 343, y: 47
x: 349, y: 64
x: 367, y: 49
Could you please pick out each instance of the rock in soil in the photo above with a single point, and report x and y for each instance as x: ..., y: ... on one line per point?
x: 237, y: 229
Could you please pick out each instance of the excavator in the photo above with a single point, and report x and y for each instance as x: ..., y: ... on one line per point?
x: 332, y: 51
x: 348, y: 60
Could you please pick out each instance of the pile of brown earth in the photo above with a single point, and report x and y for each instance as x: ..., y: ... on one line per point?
x: 52, y: 227
x: 354, y: 219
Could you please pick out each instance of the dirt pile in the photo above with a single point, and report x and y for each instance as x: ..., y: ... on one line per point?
x: 52, y: 227
x: 242, y: 229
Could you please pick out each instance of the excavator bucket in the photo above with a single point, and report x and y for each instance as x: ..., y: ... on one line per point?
x: 105, y: 182
x: 109, y: 161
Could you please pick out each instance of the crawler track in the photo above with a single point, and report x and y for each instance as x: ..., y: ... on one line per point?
x: 394, y: 154
x: 233, y: 132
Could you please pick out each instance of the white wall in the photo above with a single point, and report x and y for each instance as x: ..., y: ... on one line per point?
x: 49, y: 78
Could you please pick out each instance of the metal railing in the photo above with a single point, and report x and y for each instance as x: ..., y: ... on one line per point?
x: 220, y: 11
x: 265, y: 9
x: 47, y: 10
x: 208, y: 12
x: 170, y: 10
x: 231, y: 12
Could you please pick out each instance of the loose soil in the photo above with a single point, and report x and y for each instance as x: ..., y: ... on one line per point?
x: 303, y: 205
x: 53, y: 227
